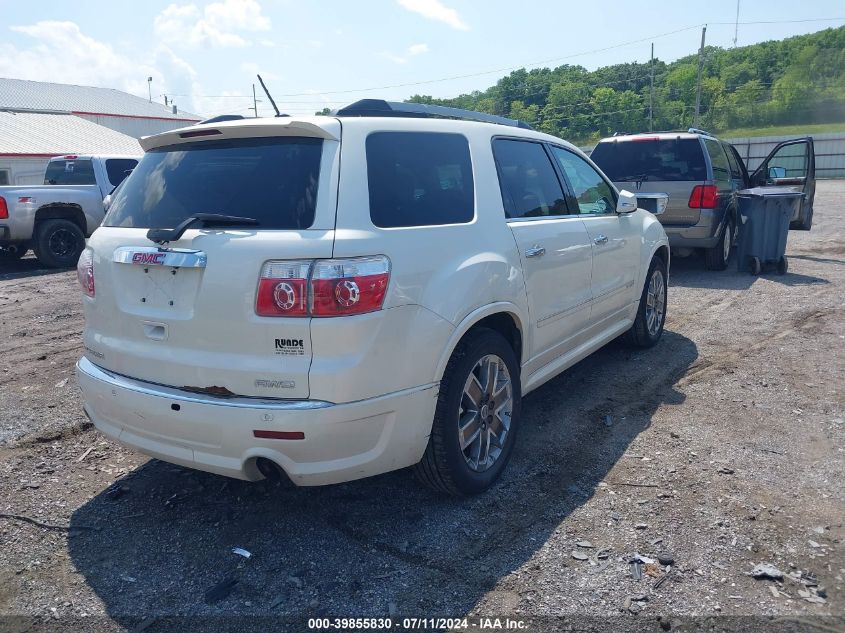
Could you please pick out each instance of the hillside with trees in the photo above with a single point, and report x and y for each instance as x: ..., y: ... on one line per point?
x: 799, y: 80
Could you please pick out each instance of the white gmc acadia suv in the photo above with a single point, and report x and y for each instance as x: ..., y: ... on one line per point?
x: 329, y: 298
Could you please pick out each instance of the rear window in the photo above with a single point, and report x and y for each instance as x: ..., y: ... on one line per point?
x: 651, y: 159
x: 70, y: 172
x: 272, y: 180
x: 419, y: 179
x: 118, y: 168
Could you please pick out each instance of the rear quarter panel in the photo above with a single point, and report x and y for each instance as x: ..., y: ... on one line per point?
x: 441, y: 275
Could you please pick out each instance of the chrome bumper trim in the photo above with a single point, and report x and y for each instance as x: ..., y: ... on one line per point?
x: 91, y: 370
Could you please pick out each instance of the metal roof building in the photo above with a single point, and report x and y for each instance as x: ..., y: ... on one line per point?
x: 39, y: 120
x: 111, y: 108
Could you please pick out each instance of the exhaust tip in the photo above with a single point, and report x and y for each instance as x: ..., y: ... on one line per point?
x: 273, y: 473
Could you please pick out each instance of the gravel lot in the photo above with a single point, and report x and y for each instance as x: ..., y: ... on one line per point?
x: 722, y: 447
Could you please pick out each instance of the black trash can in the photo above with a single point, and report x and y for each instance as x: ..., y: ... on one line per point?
x: 764, y: 215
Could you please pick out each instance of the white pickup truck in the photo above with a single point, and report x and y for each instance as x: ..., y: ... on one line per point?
x: 54, y: 219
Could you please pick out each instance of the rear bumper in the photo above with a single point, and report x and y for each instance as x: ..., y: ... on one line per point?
x: 342, y: 441
x: 704, y: 234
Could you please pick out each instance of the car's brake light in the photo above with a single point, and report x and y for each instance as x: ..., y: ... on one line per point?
x: 704, y: 197
x: 322, y: 288
x: 4, y: 210
x: 349, y: 286
x: 283, y: 289
x: 85, y: 272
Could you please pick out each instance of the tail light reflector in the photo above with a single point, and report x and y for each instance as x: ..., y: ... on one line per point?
x: 85, y: 272
x: 322, y: 288
x: 4, y: 210
x: 704, y: 197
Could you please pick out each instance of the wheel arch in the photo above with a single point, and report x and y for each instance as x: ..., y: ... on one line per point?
x: 503, y: 317
x: 63, y: 211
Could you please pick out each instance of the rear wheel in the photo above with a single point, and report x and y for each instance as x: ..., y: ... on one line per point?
x: 783, y: 265
x: 716, y: 258
x: 477, y: 416
x: 58, y: 243
x: 651, y: 314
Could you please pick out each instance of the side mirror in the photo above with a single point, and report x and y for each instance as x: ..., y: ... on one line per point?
x: 654, y: 203
x: 627, y: 202
x: 777, y: 172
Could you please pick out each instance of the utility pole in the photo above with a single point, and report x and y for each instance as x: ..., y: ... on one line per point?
x: 698, y: 87
x: 736, y: 24
x: 651, y: 93
x: 254, y: 102
x: 150, y: 88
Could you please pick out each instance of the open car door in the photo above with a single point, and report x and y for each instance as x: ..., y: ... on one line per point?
x: 792, y: 164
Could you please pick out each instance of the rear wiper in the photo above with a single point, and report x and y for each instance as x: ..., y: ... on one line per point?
x: 640, y: 178
x: 163, y: 236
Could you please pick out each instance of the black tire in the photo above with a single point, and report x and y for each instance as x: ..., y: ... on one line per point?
x: 715, y: 258
x: 444, y: 466
x: 58, y: 243
x: 756, y: 266
x: 639, y: 335
x: 783, y: 265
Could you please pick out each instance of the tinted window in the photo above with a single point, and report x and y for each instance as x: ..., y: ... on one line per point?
x: 118, y: 168
x: 530, y: 187
x: 721, y: 167
x: 273, y: 180
x: 651, y: 159
x: 419, y: 179
x: 4, y: 176
x: 592, y: 193
x: 70, y: 172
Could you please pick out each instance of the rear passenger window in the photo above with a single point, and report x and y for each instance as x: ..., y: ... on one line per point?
x: 721, y: 168
x: 419, y: 179
x: 118, y: 169
x: 530, y: 187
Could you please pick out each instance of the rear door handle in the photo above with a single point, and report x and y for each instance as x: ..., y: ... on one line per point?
x: 601, y: 239
x: 535, y: 251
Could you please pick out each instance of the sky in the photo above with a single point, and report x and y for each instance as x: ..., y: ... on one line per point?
x: 326, y: 53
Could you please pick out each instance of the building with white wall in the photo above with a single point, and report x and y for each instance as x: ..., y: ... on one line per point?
x: 39, y: 120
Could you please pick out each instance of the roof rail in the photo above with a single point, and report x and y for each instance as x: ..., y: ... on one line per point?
x: 380, y: 107
x: 695, y: 130
x: 222, y: 117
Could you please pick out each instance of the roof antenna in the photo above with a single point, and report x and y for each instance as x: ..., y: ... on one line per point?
x: 267, y: 92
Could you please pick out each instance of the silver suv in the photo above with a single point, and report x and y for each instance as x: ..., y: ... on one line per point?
x: 702, y: 174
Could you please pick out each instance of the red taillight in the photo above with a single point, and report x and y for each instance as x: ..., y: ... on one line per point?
x: 323, y: 288
x: 704, y: 197
x: 283, y: 289
x: 4, y: 210
x: 85, y: 272
x: 348, y: 286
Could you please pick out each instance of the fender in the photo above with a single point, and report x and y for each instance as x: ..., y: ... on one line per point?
x: 654, y: 238
x: 474, y: 317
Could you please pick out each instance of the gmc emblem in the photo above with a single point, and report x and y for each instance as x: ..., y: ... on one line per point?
x: 148, y: 258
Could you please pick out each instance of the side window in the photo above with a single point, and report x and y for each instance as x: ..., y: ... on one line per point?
x: 736, y: 170
x: 419, y: 179
x: 529, y: 184
x: 4, y: 177
x: 592, y: 193
x: 118, y: 168
x: 721, y: 168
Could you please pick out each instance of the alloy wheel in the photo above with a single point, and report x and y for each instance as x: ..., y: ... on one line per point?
x: 484, y: 415
x: 655, y: 305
